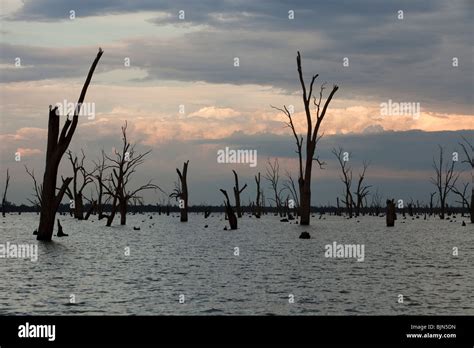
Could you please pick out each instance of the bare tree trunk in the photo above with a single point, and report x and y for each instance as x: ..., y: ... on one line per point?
x: 258, y: 209
x: 390, y: 213
x: 91, y: 209
x: 184, y: 191
x: 312, y: 139
x: 111, y: 216
x: 123, y: 166
x: 305, y: 206
x: 237, y: 192
x: 123, y: 212
x: 229, y: 211
x: 100, y: 167
x: 54, y: 152
x: 431, y: 202
x: 4, y: 199
x: 443, y: 181
x: 78, y: 207
x: 470, y: 161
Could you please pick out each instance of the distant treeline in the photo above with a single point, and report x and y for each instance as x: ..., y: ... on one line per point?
x: 165, y: 209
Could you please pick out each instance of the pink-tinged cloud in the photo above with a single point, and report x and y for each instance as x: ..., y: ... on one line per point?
x: 27, y: 152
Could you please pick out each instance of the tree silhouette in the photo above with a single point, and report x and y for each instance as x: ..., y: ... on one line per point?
x: 237, y: 192
x: 312, y: 138
x: 57, y: 145
x: 181, y: 192
x: 4, y: 199
x: 444, y: 180
x: 123, y: 166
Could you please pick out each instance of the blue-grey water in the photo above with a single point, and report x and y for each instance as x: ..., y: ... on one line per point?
x: 168, y: 259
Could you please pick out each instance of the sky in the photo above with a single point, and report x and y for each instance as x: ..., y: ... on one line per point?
x: 169, y: 69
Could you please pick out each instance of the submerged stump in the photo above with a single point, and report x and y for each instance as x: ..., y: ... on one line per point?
x: 390, y: 213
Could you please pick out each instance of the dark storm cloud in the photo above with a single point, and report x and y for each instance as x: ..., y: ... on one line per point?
x: 205, y: 11
x: 408, y: 60
x: 410, y: 150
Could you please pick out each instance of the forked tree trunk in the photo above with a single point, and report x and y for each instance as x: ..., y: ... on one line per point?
x: 57, y: 145
x: 304, y: 179
x: 184, y: 191
x: 229, y: 211
x: 237, y: 192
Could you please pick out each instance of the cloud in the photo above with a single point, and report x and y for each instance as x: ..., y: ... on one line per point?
x: 214, y: 112
x: 26, y: 152
x: 375, y: 128
x: 384, y: 53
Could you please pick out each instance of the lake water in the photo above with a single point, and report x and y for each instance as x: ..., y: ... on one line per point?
x: 168, y: 259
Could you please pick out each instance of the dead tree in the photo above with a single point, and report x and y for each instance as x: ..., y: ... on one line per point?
x: 92, y: 207
x: 432, y: 194
x: 229, y: 211
x: 312, y: 138
x: 463, y: 195
x: 273, y: 176
x: 362, y: 190
x: 4, y: 199
x: 346, y: 178
x: 470, y: 161
x: 181, y: 192
x: 258, y: 208
x: 390, y: 213
x: 58, y: 142
x: 237, y: 192
x: 444, y: 180
x: 123, y: 166
x: 376, y: 202
x: 76, y: 193
x: 37, y: 189
x: 98, y: 175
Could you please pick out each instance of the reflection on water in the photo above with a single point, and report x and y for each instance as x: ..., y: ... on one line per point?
x: 168, y: 259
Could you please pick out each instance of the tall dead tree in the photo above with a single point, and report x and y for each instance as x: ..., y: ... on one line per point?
x: 58, y: 143
x: 181, y: 192
x: 444, y: 180
x: 98, y: 175
x: 470, y: 161
x: 346, y: 178
x: 312, y: 138
x: 229, y: 211
x: 123, y: 166
x: 362, y: 190
x: 4, y: 199
x: 76, y: 193
x: 273, y: 177
x: 258, y: 208
x: 237, y: 192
